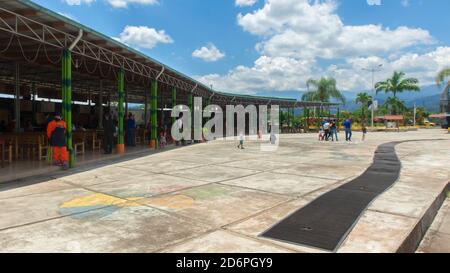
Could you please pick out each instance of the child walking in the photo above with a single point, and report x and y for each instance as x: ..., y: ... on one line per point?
x: 364, y: 131
x: 321, y: 134
x: 163, y: 139
x: 241, y: 141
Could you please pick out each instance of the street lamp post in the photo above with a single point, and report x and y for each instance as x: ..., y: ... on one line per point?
x: 373, y: 70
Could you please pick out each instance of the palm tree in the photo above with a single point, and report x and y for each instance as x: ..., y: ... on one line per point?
x: 323, y: 90
x: 443, y: 74
x: 398, y: 84
x: 363, y: 99
x: 395, y: 105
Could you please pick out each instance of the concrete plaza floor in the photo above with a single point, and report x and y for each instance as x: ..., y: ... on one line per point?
x: 215, y: 198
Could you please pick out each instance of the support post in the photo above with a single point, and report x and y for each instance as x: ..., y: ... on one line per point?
x: 121, y: 91
x: 307, y: 119
x: 17, y: 97
x: 34, y: 107
x: 67, y: 102
x: 126, y: 103
x: 145, y: 109
x: 100, y: 105
x: 174, y: 102
x: 154, y: 114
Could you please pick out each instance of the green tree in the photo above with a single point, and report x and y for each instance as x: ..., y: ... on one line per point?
x: 363, y: 99
x: 421, y: 114
x: 398, y: 84
x: 323, y: 90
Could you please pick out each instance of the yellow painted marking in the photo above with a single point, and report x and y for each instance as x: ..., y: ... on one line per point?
x: 172, y: 202
x: 100, y: 199
x: 92, y: 200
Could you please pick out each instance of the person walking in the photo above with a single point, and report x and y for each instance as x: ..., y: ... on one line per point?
x: 241, y: 141
x: 162, y: 139
x: 348, y: 129
x: 56, y: 133
x: 364, y: 131
x: 321, y: 133
x: 109, y: 129
x: 333, y: 131
x: 131, y: 131
x: 326, y: 128
x: 179, y: 123
x: 273, y: 138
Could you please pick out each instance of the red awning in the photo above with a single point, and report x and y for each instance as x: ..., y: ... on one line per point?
x: 441, y: 116
x: 390, y: 118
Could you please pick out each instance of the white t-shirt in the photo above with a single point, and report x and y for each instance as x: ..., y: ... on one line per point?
x: 326, y: 126
x: 179, y: 123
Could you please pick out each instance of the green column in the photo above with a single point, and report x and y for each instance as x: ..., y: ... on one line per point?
x: 67, y: 102
x: 293, y: 117
x: 174, y: 102
x: 288, y: 118
x: 319, y: 117
x: 121, y: 90
x: 154, y: 113
x: 307, y: 118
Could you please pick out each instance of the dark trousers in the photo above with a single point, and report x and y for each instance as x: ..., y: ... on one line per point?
x: 108, y: 142
x: 348, y: 134
x: 333, y: 134
x: 130, y: 137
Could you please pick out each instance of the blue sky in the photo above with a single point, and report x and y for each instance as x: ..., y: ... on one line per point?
x: 272, y: 47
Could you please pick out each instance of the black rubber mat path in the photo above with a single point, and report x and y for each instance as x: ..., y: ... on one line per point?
x: 326, y: 222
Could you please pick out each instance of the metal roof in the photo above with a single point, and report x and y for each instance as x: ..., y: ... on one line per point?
x: 34, y: 36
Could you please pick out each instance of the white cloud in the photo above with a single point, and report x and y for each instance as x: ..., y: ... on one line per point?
x: 303, y: 29
x: 124, y: 3
x: 374, y: 2
x: 143, y: 37
x: 114, y: 3
x: 296, y: 35
x: 78, y: 2
x: 209, y: 53
x: 405, y: 3
x: 289, y: 74
x: 267, y: 73
x: 245, y: 3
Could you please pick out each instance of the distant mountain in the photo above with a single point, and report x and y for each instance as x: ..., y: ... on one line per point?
x: 431, y: 103
x: 428, y: 97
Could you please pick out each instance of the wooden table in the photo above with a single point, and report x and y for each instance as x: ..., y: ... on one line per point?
x: 2, y: 144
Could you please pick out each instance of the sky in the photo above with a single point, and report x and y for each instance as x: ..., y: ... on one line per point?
x: 272, y: 47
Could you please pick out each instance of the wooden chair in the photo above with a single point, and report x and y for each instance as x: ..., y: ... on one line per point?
x: 2, y: 155
x: 96, y: 142
x: 9, y: 147
x: 139, y: 136
x: 43, y: 147
x: 145, y: 136
x: 79, y: 139
x: 91, y: 141
x: 28, y: 145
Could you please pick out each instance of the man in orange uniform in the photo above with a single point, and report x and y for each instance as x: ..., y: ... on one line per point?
x: 56, y: 132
